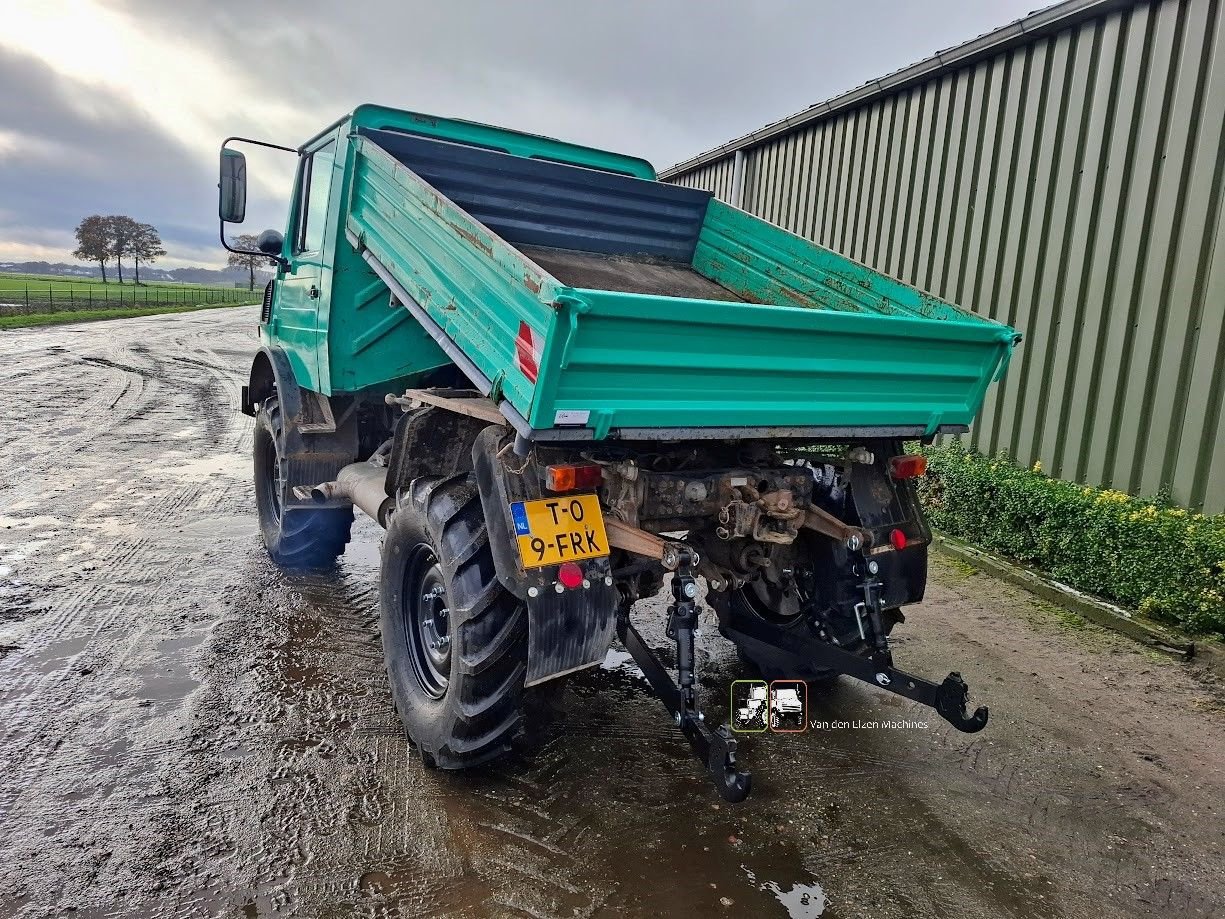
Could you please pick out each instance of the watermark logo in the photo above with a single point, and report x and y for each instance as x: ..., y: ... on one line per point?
x: 750, y: 706
x: 788, y: 706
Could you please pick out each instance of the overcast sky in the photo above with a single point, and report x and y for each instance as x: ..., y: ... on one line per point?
x: 118, y: 106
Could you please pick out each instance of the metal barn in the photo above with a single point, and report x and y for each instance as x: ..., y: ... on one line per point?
x: 1062, y: 174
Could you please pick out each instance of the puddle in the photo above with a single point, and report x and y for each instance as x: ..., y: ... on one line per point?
x: 621, y: 662
x: 801, y: 901
x: 235, y: 527
x: 59, y: 655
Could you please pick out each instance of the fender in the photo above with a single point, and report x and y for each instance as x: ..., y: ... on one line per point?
x: 319, y: 435
x: 271, y: 372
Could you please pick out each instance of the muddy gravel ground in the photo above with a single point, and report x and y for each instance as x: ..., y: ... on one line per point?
x: 187, y: 731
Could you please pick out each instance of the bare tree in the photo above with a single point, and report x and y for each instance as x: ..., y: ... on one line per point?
x: 147, y: 246
x: 94, y: 241
x: 124, y: 232
x: 243, y: 260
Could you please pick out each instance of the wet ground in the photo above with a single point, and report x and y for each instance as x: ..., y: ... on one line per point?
x: 186, y: 731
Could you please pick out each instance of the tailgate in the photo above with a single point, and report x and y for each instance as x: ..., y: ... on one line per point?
x: 628, y: 362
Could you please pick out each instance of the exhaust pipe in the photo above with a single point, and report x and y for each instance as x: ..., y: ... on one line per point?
x: 364, y: 485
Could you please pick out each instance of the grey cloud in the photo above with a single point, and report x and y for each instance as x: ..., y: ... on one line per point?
x: 83, y: 150
x: 663, y: 79
x: 688, y: 75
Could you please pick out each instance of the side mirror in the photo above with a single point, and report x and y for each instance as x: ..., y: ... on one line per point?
x: 270, y: 242
x: 232, y: 200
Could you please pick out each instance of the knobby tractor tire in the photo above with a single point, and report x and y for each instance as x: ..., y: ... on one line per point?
x: 295, y: 537
x: 462, y: 701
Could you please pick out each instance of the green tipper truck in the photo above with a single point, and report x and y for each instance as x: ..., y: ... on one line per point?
x: 557, y: 381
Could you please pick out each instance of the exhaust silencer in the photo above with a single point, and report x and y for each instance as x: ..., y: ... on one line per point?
x: 364, y: 485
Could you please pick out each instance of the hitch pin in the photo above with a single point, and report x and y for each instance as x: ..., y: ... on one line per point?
x: 860, y: 611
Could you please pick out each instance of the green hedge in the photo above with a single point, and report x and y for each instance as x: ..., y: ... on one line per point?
x: 1164, y: 561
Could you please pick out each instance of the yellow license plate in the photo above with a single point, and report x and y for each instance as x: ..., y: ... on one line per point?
x: 563, y: 529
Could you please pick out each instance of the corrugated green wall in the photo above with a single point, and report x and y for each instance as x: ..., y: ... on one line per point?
x: 1065, y: 178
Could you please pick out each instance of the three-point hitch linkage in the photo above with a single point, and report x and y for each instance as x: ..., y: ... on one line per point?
x: 717, y: 748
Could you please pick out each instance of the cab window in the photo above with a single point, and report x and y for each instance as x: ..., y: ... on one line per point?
x: 313, y: 193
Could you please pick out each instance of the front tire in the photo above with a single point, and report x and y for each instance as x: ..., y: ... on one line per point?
x: 295, y: 537
x: 454, y: 639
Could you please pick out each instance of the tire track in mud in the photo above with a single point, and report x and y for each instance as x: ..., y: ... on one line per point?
x: 118, y: 577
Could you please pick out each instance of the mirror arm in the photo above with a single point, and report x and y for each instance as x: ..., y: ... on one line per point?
x: 280, y: 260
x: 259, y: 143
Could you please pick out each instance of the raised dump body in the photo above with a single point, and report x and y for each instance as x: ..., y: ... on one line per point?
x: 603, y: 305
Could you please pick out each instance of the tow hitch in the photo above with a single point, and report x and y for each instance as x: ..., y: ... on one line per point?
x: 949, y: 698
x: 717, y: 748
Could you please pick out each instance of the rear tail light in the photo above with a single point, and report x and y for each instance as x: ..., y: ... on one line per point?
x: 910, y: 466
x: 571, y: 477
x: 898, y: 538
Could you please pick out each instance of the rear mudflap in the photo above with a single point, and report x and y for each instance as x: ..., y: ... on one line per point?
x: 566, y: 631
x: 570, y: 630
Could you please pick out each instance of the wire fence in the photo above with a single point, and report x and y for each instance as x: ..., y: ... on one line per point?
x: 23, y: 299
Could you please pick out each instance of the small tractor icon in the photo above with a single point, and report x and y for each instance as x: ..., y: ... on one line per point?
x: 786, y: 708
x: 751, y: 716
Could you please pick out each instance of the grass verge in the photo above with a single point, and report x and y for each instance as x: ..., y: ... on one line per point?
x: 37, y: 319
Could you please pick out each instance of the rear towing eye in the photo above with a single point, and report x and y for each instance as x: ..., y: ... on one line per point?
x: 717, y: 748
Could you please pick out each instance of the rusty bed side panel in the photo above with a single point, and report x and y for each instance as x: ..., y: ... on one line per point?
x: 471, y: 282
x: 767, y: 264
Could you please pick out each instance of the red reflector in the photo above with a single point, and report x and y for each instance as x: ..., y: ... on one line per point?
x: 898, y: 538
x: 570, y: 477
x: 570, y: 575
x: 907, y: 467
x: 527, y: 351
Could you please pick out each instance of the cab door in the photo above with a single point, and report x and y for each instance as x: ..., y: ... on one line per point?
x: 304, y: 288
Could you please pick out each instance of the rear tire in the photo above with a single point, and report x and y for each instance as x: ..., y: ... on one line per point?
x: 780, y: 667
x: 296, y: 537
x: 462, y: 704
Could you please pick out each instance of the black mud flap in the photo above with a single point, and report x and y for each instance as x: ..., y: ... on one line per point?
x: 569, y: 631
x: 566, y: 631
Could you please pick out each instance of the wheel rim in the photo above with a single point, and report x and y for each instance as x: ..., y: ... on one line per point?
x: 427, y: 621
